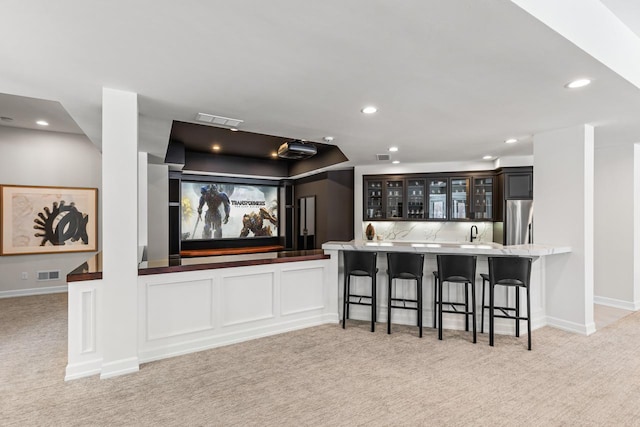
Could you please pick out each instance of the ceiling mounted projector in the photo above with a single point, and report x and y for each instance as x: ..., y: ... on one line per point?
x: 297, y: 150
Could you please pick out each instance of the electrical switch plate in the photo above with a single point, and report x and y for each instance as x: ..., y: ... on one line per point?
x: 24, y: 275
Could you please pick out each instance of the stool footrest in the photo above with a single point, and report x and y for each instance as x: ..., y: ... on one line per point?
x: 511, y: 317
x: 459, y: 312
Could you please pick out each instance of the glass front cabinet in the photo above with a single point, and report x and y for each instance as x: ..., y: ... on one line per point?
x: 395, y: 199
x: 415, y: 199
x: 373, y: 200
x: 435, y: 197
x: 483, y: 198
x: 460, y: 198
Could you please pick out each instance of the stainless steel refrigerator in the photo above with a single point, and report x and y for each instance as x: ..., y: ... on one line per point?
x: 518, y: 222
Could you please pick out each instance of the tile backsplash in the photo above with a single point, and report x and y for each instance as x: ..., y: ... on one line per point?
x: 429, y: 231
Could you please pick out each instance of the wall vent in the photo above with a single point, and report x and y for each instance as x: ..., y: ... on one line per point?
x: 218, y: 120
x: 383, y: 157
x: 48, y: 275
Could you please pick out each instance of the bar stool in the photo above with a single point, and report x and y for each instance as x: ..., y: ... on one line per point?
x: 486, y: 306
x: 406, y: 266
x: 512, y: 272
x: 457, y: 269
x: 360, y: 264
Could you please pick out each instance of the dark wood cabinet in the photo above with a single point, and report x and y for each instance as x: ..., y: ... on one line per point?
x: 454, y: 196
x: 518, y: 185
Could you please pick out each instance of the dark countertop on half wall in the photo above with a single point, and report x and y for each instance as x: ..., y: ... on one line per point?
x: 92, y: 268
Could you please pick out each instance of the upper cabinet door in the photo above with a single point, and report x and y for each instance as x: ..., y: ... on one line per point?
x: 373, y: 200
x: 460, y: 199
x: 437, y: 198
x: 483, y: 198
x: 415, y: 198
x: 395, y: 199
x: 519, y: 185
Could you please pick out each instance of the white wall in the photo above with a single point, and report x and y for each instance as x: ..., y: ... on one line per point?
x: 32, y: 157
x: 613, y: 221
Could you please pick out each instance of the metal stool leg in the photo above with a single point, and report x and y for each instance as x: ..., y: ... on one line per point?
x: 517, y: 310
x: 466, y: 306
x: 473, y: 311
x: 419, y: 292
x: 389, y: 306
x: 440, y: 310
x: 482, y: 304
x: 345, y: 303
x: 373, y: 303
x: 491, y: 292
x: 435, y: 300
x: 529, y: 317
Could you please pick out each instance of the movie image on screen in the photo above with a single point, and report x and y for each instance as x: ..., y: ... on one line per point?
x: 228, y: 211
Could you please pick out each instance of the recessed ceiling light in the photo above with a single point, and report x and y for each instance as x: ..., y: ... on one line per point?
x: 233, y: 130
x: 393, y: 149
x: 327, y: 139
x: 487, y: 157
x: 578, y: 83
x: 395, y: 162
x: 42, y: 123
x: 369, y: 110
x: 511, y: 141
x: 216, y: 147
x: 274, y: 154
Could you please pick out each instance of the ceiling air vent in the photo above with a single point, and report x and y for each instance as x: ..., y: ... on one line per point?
x: 217, y: 120
x: 383, y: 157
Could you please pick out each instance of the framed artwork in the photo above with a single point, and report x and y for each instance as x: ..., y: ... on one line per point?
x: 45, y: 220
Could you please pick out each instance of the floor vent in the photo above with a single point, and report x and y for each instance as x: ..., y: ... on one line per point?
x: 383, y: 157
x: 48, y: 275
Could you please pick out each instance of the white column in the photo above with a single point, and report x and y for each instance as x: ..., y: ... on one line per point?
x: 143, y: 197
x: 120, y: 223
x: 636, y: 225
x: 563, y: 214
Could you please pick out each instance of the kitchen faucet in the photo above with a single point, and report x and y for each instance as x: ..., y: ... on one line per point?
x: 472, y: 236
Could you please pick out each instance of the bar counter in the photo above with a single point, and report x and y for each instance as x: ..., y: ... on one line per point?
x: 192, y: 304
x: 92, y: 268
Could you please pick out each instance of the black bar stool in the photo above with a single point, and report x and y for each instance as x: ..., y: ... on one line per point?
x: 513, y: 272
x: 361, y: 264
x: 406, y: 266
x: 486, y: 306
x: 457, y: 269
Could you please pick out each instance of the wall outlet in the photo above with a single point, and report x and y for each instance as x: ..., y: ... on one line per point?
x: 24, y: 275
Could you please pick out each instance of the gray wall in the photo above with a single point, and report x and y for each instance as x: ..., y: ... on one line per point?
x: 32, y: 157
x: 158, y: 212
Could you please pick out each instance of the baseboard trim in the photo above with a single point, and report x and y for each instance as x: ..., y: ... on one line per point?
x: 119, y: 367
x: 33, y: 291
x: 193, y: 346
x: 565, y: 325
x: 617, y: 303
x: 83, y: 369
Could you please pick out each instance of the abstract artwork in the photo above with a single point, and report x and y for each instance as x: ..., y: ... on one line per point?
x: 40, y: 220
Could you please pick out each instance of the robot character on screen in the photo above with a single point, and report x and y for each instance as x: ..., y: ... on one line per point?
x: 254, y: 223
x: 212, y: 218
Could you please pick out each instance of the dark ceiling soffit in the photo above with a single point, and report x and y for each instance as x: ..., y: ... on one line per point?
x: 329, y: 157
x: 175, y: 153
x: 218, y: 163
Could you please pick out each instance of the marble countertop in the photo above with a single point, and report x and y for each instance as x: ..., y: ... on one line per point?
x: 480, y: 248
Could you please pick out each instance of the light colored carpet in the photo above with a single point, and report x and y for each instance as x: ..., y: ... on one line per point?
x: 328, y: 376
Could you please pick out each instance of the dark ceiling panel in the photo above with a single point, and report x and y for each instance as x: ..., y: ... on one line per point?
x: 198, y: 138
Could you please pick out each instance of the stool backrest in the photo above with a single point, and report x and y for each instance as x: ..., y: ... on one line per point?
x: 408, y: 263
x: 513, y: 270
x: 457, y: 268
x: 360, y: 260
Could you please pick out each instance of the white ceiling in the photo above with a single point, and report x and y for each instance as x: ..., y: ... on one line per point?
x: 452, y: 79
